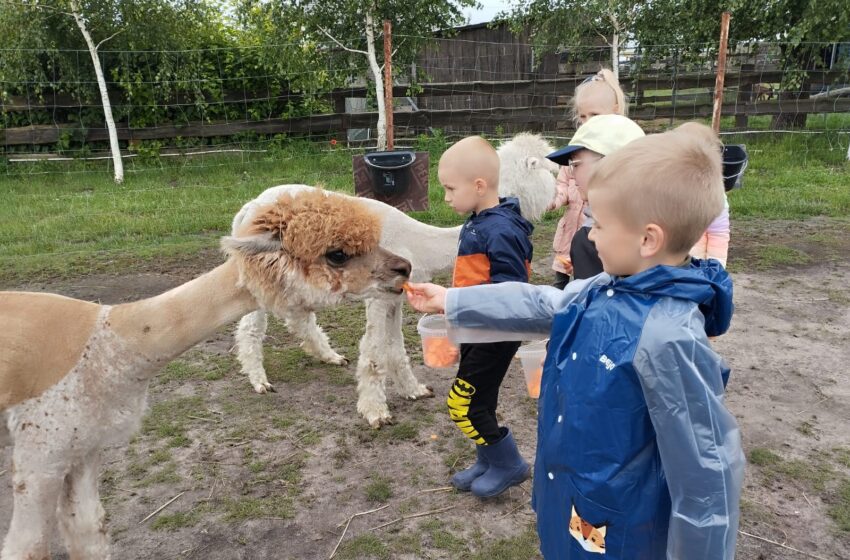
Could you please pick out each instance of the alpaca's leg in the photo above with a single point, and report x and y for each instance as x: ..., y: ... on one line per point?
x: 35, y: 493
x: 393, y: 360
x: 303, y: 324
x: 82, y: 520
x: 249, y: 349
x: 371, y: 381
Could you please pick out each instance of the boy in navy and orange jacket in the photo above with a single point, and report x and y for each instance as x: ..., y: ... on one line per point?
x: 494, y: 247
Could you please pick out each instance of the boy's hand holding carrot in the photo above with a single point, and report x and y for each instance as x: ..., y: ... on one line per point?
x: 427, y: 298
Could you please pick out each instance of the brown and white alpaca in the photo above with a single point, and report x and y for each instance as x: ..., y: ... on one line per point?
x: 74, y: 375
x: 525, y: 173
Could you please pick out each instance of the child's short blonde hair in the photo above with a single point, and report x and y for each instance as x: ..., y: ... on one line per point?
x: 674, y: 180
x: 605, y: 86
x: 473, y: 157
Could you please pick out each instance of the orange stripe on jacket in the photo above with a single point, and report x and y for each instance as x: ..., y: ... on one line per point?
x: 471, y: 270
x: 474, y: 270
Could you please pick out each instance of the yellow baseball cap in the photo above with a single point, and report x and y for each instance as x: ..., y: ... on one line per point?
x: 603, y: 134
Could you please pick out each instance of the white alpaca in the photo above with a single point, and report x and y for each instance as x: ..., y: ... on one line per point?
x: 74, y: 375
x: 524, y: 173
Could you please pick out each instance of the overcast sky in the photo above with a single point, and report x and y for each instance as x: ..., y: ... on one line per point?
x: 489, y: 8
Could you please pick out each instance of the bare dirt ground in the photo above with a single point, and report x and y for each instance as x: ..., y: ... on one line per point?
x: 279, y: 475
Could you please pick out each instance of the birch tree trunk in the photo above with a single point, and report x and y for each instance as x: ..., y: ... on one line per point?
x: 117, y: 162
x: 379, y: 80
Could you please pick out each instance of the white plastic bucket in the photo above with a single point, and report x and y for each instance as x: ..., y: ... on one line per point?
x: 437, y: 350
x: 531, y: 356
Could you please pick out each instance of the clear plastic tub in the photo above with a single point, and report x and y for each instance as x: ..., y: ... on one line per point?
x: 532, y: 356
x: 437, y: 350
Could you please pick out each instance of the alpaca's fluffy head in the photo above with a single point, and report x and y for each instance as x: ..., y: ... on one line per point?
x: 526, y: 173
x: 311, y: 250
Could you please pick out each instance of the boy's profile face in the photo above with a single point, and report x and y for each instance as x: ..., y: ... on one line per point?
x: 581, y: 165
x: 617, y: 242
x: 461, y: 193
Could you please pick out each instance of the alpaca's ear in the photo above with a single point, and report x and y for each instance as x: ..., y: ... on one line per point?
x: 532, y: 162
x: 266, y: 242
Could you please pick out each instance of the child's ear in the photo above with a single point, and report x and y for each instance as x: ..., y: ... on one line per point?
x: 653, y: 241
x: 480, y: 186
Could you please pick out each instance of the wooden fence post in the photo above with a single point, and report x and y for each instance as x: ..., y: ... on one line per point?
x: 745, y: 96
x: 721, y: 72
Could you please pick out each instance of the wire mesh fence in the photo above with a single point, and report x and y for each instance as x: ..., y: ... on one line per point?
x: 218, y: 121
x: 225, y: 101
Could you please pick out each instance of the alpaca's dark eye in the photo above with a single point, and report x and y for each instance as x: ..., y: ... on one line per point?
x: 337, y: 258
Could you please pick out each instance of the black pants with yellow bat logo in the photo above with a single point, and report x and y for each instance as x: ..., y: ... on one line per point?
x: 475, y: 393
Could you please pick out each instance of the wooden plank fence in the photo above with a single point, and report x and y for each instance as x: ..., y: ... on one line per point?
x: 533, y: 117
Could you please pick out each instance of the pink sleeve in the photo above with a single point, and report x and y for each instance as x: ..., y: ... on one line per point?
x: 714, y: 244
x: 562, y: 189
x: 720, y: 224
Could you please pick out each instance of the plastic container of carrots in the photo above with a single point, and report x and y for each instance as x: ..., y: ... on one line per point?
x: 531, y: 356
x: 437, y: 350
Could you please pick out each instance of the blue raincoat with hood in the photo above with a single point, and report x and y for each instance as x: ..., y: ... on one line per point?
x: 637, y: 455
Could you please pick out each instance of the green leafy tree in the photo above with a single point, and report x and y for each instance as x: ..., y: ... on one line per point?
x: 689, y: 29
x: 800, y: 28
x: 44, y: 41
x: 555, y: 23
x: 348, y: 33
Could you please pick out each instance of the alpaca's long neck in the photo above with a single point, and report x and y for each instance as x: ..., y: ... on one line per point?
x: 433, y: 248
x: 429, y: 248
x: 167, y: 325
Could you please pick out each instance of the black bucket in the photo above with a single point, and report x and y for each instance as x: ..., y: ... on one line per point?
x: 735, y: 160
x: 390, y: 171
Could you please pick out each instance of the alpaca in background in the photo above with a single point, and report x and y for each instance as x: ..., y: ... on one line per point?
x: 525, y: 173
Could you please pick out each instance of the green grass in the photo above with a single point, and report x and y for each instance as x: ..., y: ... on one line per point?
x: 67, y: 224
x: 170, y: 419
x: 763, y: 457
x: 770, y: 256
x: 403, y: 431
x: 840, y: 510
x: 78, y: 223
x: 439, y: 536
x: 364, y: 547
x: 819, y: 473
x: 408, y: 543
x: 379, y: 489
x: 842, y: 456
x: 166, y: 475
x: 179, y: 520
x: 203, y: 366
x: 524, y: 546
x: 792, y: 175
x: 279, y: 507
x: 288, y: 365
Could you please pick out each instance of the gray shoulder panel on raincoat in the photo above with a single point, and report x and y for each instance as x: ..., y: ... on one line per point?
x: 698, y: 438
x: 509, y: 311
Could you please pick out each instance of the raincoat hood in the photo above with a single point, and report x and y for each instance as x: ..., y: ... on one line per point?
x: 704, y: 282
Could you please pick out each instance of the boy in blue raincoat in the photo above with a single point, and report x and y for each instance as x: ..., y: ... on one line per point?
x: 637, y: 455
